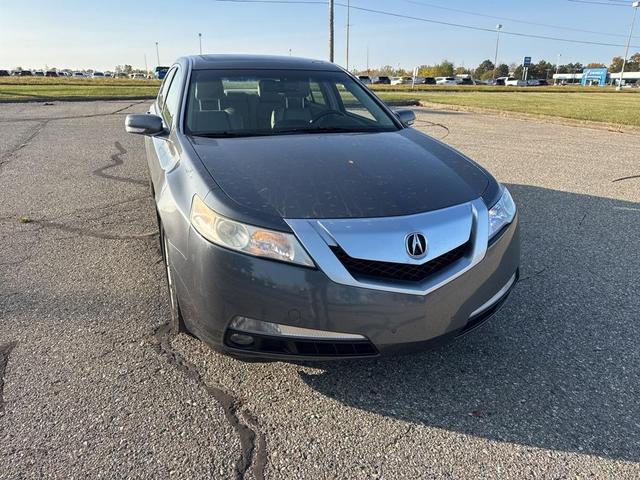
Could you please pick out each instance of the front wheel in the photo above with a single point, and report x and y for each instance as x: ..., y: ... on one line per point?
x: 175, y: 321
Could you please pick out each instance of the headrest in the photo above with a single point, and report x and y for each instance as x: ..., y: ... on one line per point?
x: 209, y: 89
x: 267, y: 86
x: 294, y: 88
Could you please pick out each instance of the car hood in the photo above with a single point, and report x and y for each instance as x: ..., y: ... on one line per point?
x: 350, y: 175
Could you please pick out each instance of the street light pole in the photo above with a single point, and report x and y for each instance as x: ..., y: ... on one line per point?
x: 635, y: 6
x: 495, y: 59
x: 158, y: 53
x: 348, y: 11
x: 331, y: 30
x: 200, y: 39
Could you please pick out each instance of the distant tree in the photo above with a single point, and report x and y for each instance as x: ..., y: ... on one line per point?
x: 488, y: 75
x: 484, y: 67
x: 502, y: 70
x: 543, y: 69
x: 594, y: 65
x: 442, y: 69
x: 461, y: 71
x: 633, y: 64
x: 616, y: 65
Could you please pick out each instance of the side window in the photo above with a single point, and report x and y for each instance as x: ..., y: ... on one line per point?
x: 352, y: 104
x: 172, y: 99
x: 316, y: 95
x: 165, y: 86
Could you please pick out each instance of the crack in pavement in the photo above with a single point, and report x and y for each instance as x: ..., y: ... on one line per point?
x: 427, y: 123
x: 117, y: 161
x: 73, y: 117
x: 85, y: 232
x: 253, y: 451
x: 630, y: 177
x: 5, y: 350
x: 7, y: 156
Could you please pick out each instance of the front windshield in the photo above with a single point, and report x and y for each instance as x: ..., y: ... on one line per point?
x: 277, y: 102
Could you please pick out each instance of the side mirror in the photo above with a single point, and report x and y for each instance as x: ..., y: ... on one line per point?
x: 406, y: 116
x: 144, y: 124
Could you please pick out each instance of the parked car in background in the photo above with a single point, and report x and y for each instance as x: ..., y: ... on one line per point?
x: 160, y: 72
x: 51, y: 73
x: 4, y: 73
x: 534, y: 82
x: 465, y: 81
x: 396, y: 80
x: 515, y: 82
x: 429, y: 81
x: 38, y: 73
x: 97, y: 75
x: 108, y: 74
x: 366, y: 79
x: 446, y: 81
x: 138, y: 76
x: 23, y: 73
x: 78, y: 75
x: 381, y: 80
x: 501, y: 81
x: 413, y: 243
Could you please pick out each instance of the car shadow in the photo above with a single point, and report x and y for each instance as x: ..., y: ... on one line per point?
x: 557, y: 367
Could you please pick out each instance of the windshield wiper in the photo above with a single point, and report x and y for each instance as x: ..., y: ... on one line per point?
x: 327, y: 130
x: 231, y: 134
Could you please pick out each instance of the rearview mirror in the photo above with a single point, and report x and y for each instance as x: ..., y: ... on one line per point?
x: 144, y: 124
x: 406, y: 116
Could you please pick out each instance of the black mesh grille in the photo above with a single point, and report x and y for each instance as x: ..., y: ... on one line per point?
x: 303, y: 346
x: 398, y: 271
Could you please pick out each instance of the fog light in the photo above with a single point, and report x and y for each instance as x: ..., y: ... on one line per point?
x: 249, y: 325
x: 241, y: 340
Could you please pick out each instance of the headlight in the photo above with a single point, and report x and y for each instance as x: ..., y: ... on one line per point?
x: 246, y: 238
x: 501, y: 213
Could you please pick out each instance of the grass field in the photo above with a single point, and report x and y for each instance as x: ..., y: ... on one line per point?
x: 21, y: 89
x: 613, y: 107
x: 577, y: 103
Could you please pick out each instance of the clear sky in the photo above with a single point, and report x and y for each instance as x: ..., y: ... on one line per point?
x: 101, y: 34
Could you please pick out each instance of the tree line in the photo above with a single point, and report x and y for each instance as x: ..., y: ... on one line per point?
x: 487, y: 70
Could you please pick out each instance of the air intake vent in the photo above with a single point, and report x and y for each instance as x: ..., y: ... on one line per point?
x: 362, y: 269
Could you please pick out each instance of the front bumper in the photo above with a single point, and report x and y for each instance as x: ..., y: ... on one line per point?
x: 215, y: 285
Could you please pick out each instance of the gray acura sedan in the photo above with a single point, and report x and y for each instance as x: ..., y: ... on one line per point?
x: 301, y: 218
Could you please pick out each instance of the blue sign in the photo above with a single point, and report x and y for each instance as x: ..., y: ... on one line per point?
x: 594, y: 76
x: 526, y: 61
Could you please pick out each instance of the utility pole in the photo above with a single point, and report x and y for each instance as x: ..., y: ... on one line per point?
x: 495, y: 59
x: 348, y: 11
x: 146, y: 69
x: 367, y: 59
x: 158, y: 53
x: 635, y: 6
x: 200, y: 38
x: 331, y: 9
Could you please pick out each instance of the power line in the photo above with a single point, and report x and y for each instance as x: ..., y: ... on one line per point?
x: 437, y: 22
x: 609, y: 4
x: 514, y: 20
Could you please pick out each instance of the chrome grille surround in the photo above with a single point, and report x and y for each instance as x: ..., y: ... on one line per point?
x: 446, y: 229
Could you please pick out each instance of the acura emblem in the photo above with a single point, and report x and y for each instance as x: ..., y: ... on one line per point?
x: 416, y: 244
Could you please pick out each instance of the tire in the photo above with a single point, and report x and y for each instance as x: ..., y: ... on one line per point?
x: 175, y: 320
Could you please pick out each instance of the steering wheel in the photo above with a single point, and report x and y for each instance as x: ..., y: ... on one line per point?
x: 325, y: 114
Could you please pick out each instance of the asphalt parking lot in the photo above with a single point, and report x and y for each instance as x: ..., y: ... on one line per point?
x: 92, y: 385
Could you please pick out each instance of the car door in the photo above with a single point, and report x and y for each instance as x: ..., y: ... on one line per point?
x: 155, y: 146
x: 171, y: 191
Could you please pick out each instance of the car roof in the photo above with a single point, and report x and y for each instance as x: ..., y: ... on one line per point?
x: 236, y: 61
